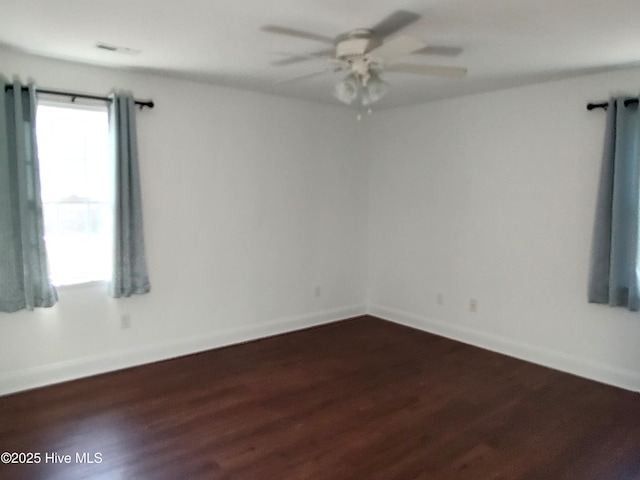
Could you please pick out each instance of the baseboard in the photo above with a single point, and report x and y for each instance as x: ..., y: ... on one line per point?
x: 583, y: 367
x: 50, y: 374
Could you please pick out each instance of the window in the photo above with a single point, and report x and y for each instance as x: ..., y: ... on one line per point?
x: 77, y: 195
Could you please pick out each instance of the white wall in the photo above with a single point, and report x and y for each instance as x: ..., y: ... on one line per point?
x: 492, y: 197
x: 250, y: 202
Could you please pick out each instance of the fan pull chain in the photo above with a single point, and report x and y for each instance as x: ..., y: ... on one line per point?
x: 359, y: 115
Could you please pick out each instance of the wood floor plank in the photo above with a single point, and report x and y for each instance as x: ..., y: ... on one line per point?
x: 358, y: 399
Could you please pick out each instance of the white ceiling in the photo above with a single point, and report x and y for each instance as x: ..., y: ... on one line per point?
x: 504, y: 42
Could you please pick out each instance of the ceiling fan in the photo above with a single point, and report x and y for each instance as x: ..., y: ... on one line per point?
x: 366, y: 52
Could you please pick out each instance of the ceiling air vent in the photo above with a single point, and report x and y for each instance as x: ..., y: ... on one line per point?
x: 116, y: 49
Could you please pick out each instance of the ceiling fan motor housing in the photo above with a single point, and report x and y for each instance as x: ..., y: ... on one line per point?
x: 355, y: 43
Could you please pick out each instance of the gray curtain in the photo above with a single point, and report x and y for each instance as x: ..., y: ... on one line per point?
x: 24, y: 274
x: 130, y: 266
x: 614, y: 275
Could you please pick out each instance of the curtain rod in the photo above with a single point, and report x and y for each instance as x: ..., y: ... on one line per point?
x: 604, y: 105
x: 73, y: 95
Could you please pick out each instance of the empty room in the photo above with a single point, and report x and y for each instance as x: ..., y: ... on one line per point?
x: 320, y: 240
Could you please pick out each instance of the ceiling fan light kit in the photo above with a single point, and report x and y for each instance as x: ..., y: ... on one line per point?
x: 347, y: 90
x: 364, y: 53
x: 374, y: 90
x: 368, y: 90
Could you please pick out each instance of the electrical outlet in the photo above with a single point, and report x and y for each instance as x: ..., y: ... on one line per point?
x: 440, y: 299
x: 125, y: 321
x: 473, y: 305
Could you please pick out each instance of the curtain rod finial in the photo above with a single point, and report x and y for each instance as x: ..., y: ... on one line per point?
x: 593, y: 106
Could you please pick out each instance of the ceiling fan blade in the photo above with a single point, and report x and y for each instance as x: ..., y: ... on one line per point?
x: 394, y: 23
x: 302, y: 77
x: 397, y: 47
x: 297, y: 33
x: 442, y: 50
x: 436, y: 70
x: 303, y: 58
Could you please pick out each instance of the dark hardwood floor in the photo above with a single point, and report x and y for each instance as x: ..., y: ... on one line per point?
x: 359, y: 399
